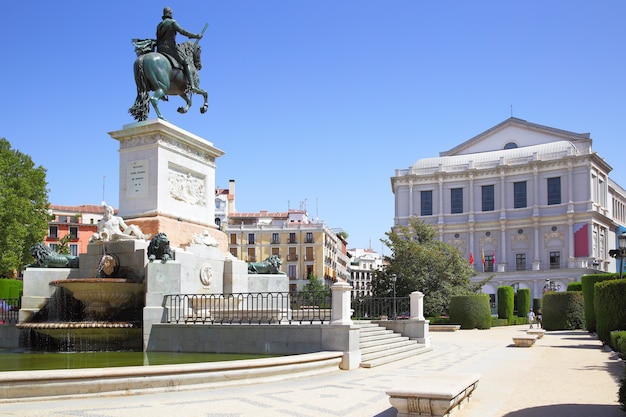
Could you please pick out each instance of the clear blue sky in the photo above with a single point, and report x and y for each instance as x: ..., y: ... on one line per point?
x: 317, y: 101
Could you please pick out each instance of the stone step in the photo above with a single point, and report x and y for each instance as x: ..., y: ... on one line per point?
x: 396, y: 355
x: 388, y: 345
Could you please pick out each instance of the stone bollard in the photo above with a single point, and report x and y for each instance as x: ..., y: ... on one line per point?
x: 341, y: 303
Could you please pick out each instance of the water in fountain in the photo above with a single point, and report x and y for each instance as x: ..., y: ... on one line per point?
x: 92, y: 314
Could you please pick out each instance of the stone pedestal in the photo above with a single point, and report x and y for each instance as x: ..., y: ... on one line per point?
x: 167, y: 181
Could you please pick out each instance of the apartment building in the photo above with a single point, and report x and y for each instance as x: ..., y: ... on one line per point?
x: 78, y: 221
x: 532, y: 205
x: 363, y: 265
x: 306, y: 247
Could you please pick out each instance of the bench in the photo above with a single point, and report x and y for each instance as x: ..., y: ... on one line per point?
x: 536, y: 332
x: 444, y: 327
x: 433, y: 395
x: 524, y: 341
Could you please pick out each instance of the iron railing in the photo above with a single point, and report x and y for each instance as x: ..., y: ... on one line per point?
x: 9, y: 310
x: 250, y: 308
x: 371, y: 308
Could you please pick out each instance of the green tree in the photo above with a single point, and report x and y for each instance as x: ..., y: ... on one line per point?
x: 314, y: 293
x: 23, y: 208
x: 421, y: 262
x: 63, y: 245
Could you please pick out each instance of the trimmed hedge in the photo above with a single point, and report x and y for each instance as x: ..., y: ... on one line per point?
x: 523, y: 302
x: 563, y: 311
x: 587, y: 282
x: 11, y: 288
x: 471, y: 311
x: 610, y: 307
x: 575, y: 286
x: 506, y: 302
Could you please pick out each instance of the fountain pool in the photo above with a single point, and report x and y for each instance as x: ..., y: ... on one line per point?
x: 12, y: 360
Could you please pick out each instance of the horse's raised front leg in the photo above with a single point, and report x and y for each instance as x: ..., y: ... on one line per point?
x: 187, y: 99
x: 204, y: 94
x: 158, y: 94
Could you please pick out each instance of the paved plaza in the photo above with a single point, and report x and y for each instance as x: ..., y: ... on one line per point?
x: 565, y: 374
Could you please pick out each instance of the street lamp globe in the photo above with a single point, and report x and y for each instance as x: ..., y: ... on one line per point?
x: 621, y: 241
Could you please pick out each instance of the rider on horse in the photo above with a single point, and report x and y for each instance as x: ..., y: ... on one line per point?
x: 166, y: 43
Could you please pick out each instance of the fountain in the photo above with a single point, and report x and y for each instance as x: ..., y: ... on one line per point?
x: 110, y: 299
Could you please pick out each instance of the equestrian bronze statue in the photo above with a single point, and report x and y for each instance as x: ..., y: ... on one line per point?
x: 171, y: 70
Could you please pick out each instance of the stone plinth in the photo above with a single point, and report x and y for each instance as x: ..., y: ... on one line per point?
x: 167, y: 180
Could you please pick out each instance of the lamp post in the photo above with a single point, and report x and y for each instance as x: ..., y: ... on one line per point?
x: 394, y: 278
x: 620, y: 252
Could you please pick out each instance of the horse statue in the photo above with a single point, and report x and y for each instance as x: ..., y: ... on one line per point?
x: 154, y: 72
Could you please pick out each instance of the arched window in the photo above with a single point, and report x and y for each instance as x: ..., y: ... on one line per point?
x: 510, y: 145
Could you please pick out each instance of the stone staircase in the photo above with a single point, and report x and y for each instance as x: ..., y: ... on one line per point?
x: 380, y: 346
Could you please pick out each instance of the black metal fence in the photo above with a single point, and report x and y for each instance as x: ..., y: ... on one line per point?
x: 249, y: 308
x: 371, y: 308
x: 9, y: 310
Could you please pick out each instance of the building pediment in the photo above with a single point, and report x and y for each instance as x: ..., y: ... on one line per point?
x: 516, y: 133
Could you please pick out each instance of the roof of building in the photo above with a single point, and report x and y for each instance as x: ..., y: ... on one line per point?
x: 554, y: 148
x: 83, y: 208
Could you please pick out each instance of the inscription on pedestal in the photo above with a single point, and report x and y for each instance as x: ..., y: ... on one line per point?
x: 137, y: 177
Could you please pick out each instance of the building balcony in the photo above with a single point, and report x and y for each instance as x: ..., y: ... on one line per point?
x: 292, y: 257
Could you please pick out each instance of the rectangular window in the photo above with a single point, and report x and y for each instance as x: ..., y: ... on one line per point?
x: 53, y: 246
x: 456, y: 200
x: 554, y: 190
x: 426, y: 199
x: 555, y: 260
x: 309, y: 271
x: 74, y: 232
x: 309, y: 237
x: 308, y: 254
x: 251, y: 255
x: 250, y: 238
x: 488, y: 197
x: 233, y: 238
x: 275, y: 238
x: 276, y: 251
x: 233, y: 251
x: 53, y: 232
x: 519, y: 194
x: 292, y: 271
x: 488, y: 263
x: 74, y: 250
x: 292, y: 238
x: 292, y: 256
x: 520, y: 262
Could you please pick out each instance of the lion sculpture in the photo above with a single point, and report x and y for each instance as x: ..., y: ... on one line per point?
x: 271, y: 265
x: 47, y: 258
x: 159, y: 248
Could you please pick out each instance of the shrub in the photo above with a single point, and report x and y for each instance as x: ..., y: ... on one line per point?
x: 609, y: 307
x: 506, y: 300
x: 471, y: 311
x: 575, y: 286
x: 618, y: 341
x: 563, y: 311
x: 523, y: 302
x: 587, y: 283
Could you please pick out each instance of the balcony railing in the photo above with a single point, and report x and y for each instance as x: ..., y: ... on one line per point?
x: 249, y: 308
x: 292, y: 257
x: 9, y: 310
x: 375, y: 308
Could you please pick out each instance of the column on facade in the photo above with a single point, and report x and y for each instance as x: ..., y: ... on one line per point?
x: 502, y: 193
x: 440, y: 199
x: 502, y: 247
x: 536, y: 190
x: 471, y: 197
x: 570, y: 244
x: 411, y: 212
x: 537, y: 260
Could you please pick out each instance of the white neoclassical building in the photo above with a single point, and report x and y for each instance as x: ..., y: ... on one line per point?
x: 531, y: 205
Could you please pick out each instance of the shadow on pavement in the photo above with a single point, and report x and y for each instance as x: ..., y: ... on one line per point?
x: 569, y: 410
x: 390, y: 412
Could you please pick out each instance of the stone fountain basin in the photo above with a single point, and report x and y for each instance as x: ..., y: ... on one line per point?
x: 102, y: 295
x: 115, y: 291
